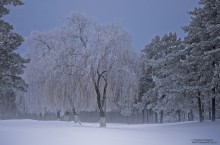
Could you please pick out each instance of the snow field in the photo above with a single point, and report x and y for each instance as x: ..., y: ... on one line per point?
x: 31, y: 132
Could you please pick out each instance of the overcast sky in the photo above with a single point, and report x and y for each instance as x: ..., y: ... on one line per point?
x: 143, y: 19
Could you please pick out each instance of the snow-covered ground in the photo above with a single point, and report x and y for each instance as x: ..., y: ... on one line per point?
x: 31, y: 132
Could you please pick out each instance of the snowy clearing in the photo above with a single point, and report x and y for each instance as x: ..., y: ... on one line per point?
x: 32, y: 132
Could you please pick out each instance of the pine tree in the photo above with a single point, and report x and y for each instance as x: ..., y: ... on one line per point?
x: 11, y: 63
x: 162, y: 58
x: 203, y: 52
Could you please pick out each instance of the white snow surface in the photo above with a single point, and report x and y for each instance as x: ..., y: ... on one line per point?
x: 32, y: 132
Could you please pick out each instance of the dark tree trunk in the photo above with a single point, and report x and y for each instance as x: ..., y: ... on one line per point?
x: 102, y: 114
x: 210, y: 112
x: 203, y: 112
x: 67, y: 116
x: 143, y: 116
x: 184, y: 116
x: 192, y: 115
x: 151, y: 115
x: 147, y: 115
x: 200, y: 109
x: 178, y: 113
x: 74, y: 111
x: 41, y: 116
x: 155, y: 117
x: 102, y: 120
x: 75, y: 116
x: 101, y: 96
x: 213, y: 109
x: 161, y: 116
x: 58, y: 114
x: 190, y: 118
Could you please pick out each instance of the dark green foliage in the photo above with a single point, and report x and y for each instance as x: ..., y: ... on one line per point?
x: 11, y: 63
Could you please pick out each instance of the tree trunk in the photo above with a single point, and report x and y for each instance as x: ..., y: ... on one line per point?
x: 161, y: 116
x: 210, y: 112
x: 155, y: 117
x: 189, y: 118
x: 200, y: 109
x: 41, y: 116
x: 213, y: 109
x: 147, y: 115
x: 151, y: 115
x: 58, y: 114
x: 100, y: 102
x: 75, y: 116
x: 184, y: 116
x: 102, y: 120
x: 67, y: 116
x: 101, y: 96
x: 143, y: 116
x: 203, y: 112
x: 192, y: 115
x: 178, y: 113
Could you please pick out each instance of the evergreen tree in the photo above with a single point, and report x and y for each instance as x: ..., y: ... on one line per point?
x: 11, y: 63
x: 203, y: 53
x: 162, y: 60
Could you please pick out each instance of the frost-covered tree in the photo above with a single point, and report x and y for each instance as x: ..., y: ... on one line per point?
x: 183, y: 74
x: 11, y: 63
x: 111, y: 59
x: 161, y: 89
x: 203, y: 52
x: 58, y: 83
x: 80, y: 67
x: 145, y: 86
